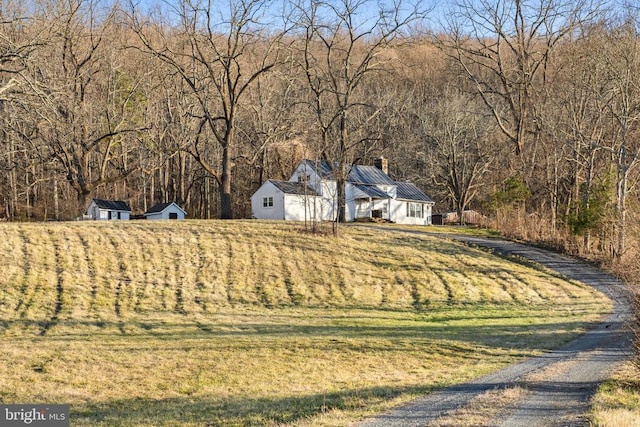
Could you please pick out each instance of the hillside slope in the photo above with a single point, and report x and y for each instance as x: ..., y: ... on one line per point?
x: 111, y: 270
x: 241, y: 323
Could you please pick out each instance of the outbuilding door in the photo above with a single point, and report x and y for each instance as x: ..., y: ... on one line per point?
x: 173, y: 215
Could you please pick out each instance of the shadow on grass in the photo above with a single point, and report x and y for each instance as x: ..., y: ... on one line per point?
x: 209, y: 411
x: 351, y: 333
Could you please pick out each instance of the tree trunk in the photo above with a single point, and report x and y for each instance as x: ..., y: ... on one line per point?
x: 226, y: 206
x: 56, y: 204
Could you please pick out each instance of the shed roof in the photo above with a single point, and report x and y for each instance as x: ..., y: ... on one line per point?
x: 298, y: 188
x: 408, y: 191
x: 112, y: 205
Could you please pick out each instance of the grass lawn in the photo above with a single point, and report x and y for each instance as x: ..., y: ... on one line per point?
x: 617, y: 403
x: 254, y: 323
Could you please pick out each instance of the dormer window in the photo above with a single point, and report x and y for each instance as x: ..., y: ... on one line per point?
x: 304, y: 178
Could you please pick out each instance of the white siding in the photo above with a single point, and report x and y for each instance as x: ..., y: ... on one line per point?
x: 328, y: 206
x: 302, y: 208
x: 166, y: 213
x: 325, y: 206
x: 304, y: 173
x: 291, y: 207
x: 399, y: 213
x: 259, y: 211
x: 96, y: 213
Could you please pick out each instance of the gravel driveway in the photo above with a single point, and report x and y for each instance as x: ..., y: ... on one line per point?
x: 550, y: 390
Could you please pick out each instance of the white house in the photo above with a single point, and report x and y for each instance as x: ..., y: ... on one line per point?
x: 293, y: 201
x: 311, y: 193
x: 165, y: 211
x: 100, y: 209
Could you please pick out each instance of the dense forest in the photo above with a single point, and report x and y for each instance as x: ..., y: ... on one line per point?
x: 525, y: 110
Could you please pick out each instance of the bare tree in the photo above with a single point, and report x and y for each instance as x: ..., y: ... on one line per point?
x: 19, y: 39
x: 459, y: 145
x: 622, y: 99
x: 88, y: 110
x: 347, y: 42
x: 505, y: 48
x: 219, y: 50
x: 576, y: 121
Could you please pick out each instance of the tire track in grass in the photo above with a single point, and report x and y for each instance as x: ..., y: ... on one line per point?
x: 179, y: 306
x: 431, y: 293
x: 57, y: 256
x: 178, y: 261
x: 478, y: 264
x: 91, y: 268
x: 415, y: 294
x: 342, y: 293
x: 41, y: 277
x: 138, y: 293
x: 199, y: 277
x: 260, y: 280
x: 230, y: 286
x: 518, y: 289
x: 447, y: 287
x: 333, y: 283
x: 511, y: 282
x: 26, y: 268
x: 295, y: 298
x: 241, y: 274
x: 384, y: 291
x: 142, y: 291
x: 123, y: 280
x: 315, y: 297
x: 160, y: 286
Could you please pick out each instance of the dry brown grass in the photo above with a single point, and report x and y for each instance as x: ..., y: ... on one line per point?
x: 481, y: 409
x: 617, y: 403
x: 252, y: 323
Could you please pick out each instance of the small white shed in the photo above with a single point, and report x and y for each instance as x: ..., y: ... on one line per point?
x: 165, y: 211
x: 100, y: 209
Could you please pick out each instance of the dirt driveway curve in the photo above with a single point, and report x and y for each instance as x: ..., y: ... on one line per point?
x: 551, y: 390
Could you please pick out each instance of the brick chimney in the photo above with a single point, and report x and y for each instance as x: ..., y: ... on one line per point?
x: 382, y: 164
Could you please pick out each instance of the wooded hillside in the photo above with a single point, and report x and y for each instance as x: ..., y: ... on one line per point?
x: 527, y: 111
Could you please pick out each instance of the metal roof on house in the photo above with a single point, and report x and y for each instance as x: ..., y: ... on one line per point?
x: 112, y: 205
x: 160, y: 207
x: 289, y: 187
x: 408, y: 191
x: 320, y: 167
x: 359, y: 174
x: 369, y: 175
x: 371, y: 191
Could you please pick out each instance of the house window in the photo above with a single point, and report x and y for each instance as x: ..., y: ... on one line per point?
x: 267, y: 202
x: 304, y: 178
x: 415, y: 210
